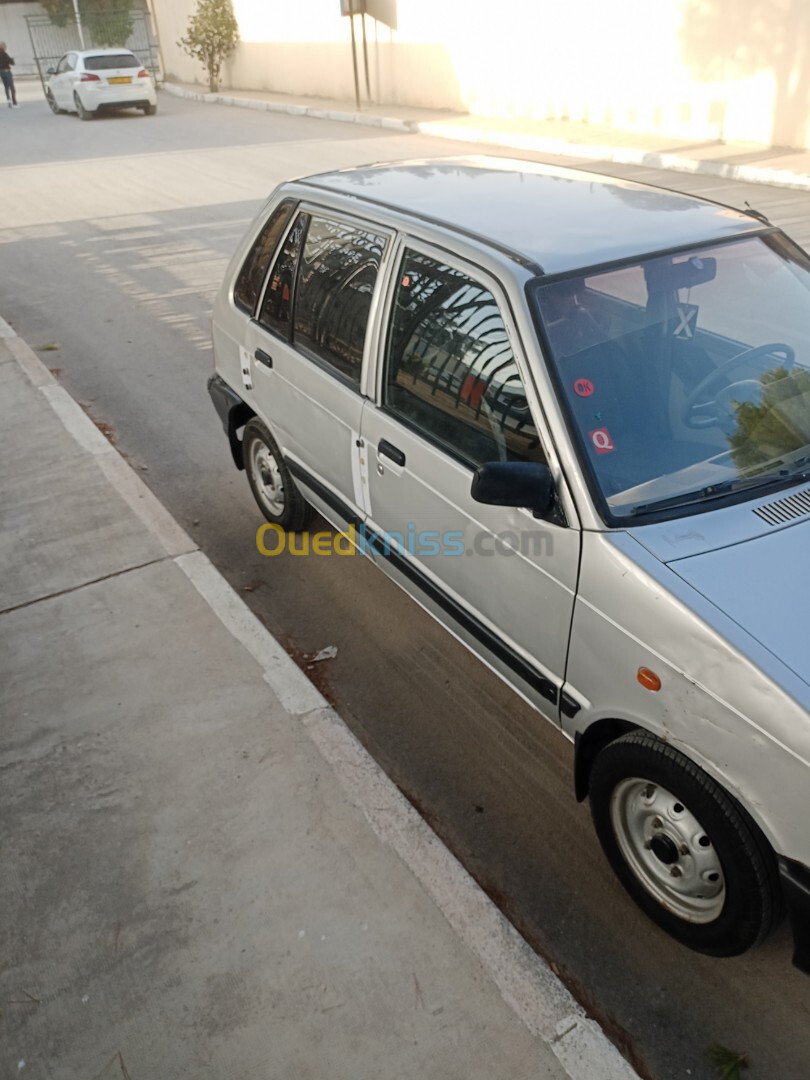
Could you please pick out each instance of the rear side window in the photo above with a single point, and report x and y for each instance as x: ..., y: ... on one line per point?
x: 106, y: 63
x: 249, y: 282
x: 336, y: 279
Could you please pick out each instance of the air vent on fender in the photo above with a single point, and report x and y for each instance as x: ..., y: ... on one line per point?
x: 782, y: 510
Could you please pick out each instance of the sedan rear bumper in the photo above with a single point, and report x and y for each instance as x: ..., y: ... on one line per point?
x: 796, y: 890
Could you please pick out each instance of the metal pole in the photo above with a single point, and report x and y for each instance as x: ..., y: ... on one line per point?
x: 78, y: 22
x: 354, y: 57
x: 34, y: 49
x: 152, y: 25
x: 365, y: 57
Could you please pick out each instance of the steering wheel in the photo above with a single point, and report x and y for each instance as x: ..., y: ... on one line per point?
x: 694, y: 413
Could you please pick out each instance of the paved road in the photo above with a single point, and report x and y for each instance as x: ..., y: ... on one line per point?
x: 113, y: 237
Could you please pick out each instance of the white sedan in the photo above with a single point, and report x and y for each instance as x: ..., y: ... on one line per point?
x: 89, y: 82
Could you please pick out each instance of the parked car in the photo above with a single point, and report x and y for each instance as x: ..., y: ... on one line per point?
x: 96, y: 80
x: 601, y: 391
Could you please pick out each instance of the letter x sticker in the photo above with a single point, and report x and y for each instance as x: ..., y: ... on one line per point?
x: 687, y: 321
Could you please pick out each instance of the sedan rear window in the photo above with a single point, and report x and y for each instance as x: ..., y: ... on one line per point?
x: 111, y: 60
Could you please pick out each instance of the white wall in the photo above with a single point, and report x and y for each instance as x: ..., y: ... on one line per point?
x: 689, y: 69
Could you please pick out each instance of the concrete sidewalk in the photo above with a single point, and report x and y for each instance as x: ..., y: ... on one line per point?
x: 586, y: 142
x: 204, y: 873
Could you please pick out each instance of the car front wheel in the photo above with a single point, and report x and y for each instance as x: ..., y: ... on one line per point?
x: 271, y: 481
x: 84, y: 114
x: 684, y: 849
x: 52, y: 103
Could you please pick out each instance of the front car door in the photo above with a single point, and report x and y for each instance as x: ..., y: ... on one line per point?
x: 453, y: 394
x: 60, y: 87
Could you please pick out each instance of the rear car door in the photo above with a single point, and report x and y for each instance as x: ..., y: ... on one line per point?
x: 452, y: 395
x: 307, y: 349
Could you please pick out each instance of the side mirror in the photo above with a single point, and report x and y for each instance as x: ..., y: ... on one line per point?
x: 524, y: 484
x: 50, y: 71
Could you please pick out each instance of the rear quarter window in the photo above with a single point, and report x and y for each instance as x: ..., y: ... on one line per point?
x: 248, y: 285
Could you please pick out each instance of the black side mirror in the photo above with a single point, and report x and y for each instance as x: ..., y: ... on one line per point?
x: 50, y: 71
x: 524, y: 484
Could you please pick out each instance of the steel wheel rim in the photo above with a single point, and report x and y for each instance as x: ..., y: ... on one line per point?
x: 668, y: 850
x: 267, y: 477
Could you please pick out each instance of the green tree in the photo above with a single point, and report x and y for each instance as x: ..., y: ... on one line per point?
x: 213, y: 34
x: 107, y: 22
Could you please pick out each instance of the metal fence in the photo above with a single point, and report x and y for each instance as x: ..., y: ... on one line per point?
x: 50, y: 42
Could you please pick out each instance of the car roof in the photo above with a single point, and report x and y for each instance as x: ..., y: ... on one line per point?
x: 553, y: 219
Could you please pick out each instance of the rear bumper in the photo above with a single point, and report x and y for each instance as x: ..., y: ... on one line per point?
x: 140, y: 103
x: 232, y: 411
x: 796, y: 889
x: 132, y: 96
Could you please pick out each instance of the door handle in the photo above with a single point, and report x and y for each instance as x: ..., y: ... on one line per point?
x: 387, y: 449
x: 264, y: 358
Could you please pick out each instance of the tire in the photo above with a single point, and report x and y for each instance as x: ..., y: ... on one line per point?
x: 52, y: 103
x: 149, y: 110
x: 84, y: 114
x: 271, y: 481
x: 683, y: 848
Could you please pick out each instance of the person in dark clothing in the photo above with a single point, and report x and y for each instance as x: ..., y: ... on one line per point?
x: 6, y: 64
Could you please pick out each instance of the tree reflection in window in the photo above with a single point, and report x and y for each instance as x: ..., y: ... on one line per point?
x: 451, y: 370
x: 336, y: 279
x: 777, y: 425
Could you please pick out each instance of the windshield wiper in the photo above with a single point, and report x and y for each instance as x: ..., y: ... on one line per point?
x: 727, y: 487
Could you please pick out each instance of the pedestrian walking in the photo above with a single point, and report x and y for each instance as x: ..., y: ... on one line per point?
x: 6, y: 64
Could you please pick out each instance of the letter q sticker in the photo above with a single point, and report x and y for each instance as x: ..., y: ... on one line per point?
x: 601, y: 440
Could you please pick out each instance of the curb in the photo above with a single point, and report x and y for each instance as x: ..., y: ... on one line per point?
x: 539, y: 144
x: 526, y: 983
x: 345, y: 117
x: 621, y: 155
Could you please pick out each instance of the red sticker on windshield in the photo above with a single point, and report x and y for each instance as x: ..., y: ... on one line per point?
x: 583, y: 387
x: 601, y: 440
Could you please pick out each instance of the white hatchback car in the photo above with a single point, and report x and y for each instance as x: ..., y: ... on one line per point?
x: 90, y: 82
x: 570, y: 415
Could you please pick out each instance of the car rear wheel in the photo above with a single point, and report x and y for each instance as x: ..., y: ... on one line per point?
x: 271, y: 481
x: 52, y: 103
x: 149, y: 110
x: 84, y: 114
x: 684, y: 849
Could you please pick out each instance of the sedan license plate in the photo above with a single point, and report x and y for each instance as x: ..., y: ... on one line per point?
x: 120, y: 79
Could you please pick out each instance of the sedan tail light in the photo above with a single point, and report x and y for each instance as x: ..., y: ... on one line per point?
x: 143, y: 74
x: 88, y: 76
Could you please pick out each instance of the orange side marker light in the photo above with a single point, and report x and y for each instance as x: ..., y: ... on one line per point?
x: 648, y: 679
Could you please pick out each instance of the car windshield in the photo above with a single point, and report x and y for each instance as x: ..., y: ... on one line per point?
x: 686, y: 377
x: 108, y: 61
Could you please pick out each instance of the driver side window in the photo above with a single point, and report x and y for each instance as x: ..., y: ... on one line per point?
x: 450, y: 371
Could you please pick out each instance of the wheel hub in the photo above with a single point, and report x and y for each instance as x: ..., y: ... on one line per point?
x: 664, y: 849
x: 668, y: 850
